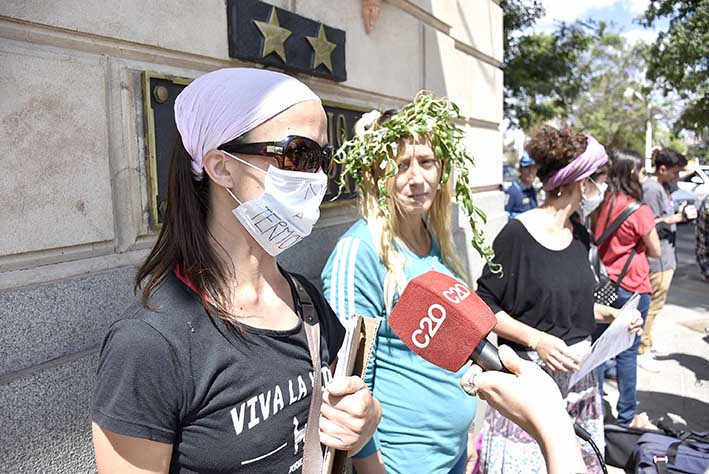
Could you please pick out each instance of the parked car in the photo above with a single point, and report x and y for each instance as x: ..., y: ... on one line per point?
x: 692, y: 188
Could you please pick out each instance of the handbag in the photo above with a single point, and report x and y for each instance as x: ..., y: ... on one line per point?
x: 605, y: 290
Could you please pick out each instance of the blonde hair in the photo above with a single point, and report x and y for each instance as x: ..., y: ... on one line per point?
x: 384, y: 227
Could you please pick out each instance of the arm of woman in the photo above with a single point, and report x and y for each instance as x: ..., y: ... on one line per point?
x: 137, y: 394
x: 604, y: 314
x: 530, y: 398
x: 472, y: 453
x: 652, y: 243
x: 116, y: 453
x: 372, y: 464
x: 552, y: 350
x: 643, y: 225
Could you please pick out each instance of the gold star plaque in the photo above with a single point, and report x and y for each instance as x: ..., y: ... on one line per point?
x: 274, y: 36
x: 323, y: 49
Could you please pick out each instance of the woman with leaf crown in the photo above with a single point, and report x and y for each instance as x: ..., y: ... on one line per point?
x: 402, y: 162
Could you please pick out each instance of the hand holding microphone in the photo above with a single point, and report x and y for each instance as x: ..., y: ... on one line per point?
x: 446, y: 323
x: 519, y: 394
x: 530, y: 398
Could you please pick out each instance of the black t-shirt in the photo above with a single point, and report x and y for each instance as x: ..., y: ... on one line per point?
x: 550, y: 290
x: 227, y: 402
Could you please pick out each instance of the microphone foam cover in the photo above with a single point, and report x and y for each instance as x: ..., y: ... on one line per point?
x: 441, y: 319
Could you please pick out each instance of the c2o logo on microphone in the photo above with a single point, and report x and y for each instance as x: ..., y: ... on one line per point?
x: 429, y: 326
x: 456, y: 293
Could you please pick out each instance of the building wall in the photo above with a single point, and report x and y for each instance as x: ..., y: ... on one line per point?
x: 73, y: 199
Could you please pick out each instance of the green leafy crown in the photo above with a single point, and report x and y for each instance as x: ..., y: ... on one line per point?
x: 430, y: 116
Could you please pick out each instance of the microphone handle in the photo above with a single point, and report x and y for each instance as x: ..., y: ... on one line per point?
x: 487, y: 357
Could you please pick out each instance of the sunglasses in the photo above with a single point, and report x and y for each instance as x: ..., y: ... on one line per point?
x: 293, y: 153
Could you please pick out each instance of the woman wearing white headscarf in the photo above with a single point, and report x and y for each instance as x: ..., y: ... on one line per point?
x: 211, y: 370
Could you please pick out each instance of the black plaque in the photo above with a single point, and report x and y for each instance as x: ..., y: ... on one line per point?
x: 340, y: 128
x: 159, y: 93
x: 263, y: 33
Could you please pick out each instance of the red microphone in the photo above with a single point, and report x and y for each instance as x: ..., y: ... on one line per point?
x: 445, y: 322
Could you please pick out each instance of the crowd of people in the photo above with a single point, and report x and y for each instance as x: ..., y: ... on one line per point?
x: 225, y: 362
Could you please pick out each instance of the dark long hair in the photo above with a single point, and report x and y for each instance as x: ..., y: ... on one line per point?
x: 185, y: 242
x: 624, y: 175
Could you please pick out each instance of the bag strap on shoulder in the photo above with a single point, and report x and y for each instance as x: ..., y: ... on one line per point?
x: 617, y: 221
x: 312, y: 452
x: 627, y: 265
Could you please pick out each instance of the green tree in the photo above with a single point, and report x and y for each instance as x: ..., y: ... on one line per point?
x: 543, y: 74
x: 614, y: 107
x: 518, y: 15
x: 679, y: 59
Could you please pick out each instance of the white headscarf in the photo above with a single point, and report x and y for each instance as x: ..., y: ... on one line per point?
x: 224, y: 104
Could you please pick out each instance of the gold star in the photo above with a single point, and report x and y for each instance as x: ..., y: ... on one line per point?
x: 323, y: 49
x: 273, y: 36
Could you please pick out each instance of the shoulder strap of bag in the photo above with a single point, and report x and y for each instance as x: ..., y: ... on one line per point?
x: 312, y: 452
x: 613, y: 227
x: 627, y: 265
x: 618, y: 221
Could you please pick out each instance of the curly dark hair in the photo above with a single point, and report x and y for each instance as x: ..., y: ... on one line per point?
x: 553, y: 149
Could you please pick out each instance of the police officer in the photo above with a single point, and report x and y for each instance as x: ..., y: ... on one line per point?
x: 521, y: 195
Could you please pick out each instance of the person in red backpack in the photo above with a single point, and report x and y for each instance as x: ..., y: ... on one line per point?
x: 624, y: 254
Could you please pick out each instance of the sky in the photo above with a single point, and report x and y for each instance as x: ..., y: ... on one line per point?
x: 619, y: 14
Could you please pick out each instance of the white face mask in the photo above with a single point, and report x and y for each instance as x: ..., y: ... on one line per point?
x: 286, y: 211
x: 588, y: 205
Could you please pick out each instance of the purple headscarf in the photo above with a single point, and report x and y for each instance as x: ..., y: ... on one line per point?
x: 223, y: 105
x: 583, y: 166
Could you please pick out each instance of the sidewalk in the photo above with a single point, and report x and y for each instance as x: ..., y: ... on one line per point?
x: 681, y: 388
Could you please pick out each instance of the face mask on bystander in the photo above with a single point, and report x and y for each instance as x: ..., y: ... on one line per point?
x: 588, y: 205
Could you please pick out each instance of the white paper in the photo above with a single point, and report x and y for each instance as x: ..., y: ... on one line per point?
x: 614, y: 340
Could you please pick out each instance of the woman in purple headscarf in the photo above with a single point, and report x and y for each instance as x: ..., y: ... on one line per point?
x: 544, y: 300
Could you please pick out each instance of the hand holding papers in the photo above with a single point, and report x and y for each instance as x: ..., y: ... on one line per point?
x: 614, y: 340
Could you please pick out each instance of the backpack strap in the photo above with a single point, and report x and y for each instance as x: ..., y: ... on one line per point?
x: 312, y: 452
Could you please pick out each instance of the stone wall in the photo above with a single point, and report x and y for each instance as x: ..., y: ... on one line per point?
x: 73, y: 192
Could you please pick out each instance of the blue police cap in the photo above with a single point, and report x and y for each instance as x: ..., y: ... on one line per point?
x: 526, y: 160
